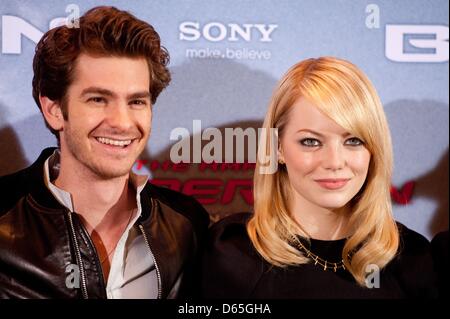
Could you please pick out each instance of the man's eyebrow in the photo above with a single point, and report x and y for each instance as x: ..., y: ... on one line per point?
x: 106, y: 92
x: 96, y: 90
x: 139, y: 95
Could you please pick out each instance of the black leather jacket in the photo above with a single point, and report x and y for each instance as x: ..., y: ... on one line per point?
x: 40, y: 239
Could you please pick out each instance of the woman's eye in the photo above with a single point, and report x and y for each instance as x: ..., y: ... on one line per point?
x: 310, y: 142
x: 354, y: 141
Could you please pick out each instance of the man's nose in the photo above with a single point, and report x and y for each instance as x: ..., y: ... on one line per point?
x: 118, y: 116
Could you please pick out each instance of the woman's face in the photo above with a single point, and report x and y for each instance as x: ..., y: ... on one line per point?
x: 327, y: 165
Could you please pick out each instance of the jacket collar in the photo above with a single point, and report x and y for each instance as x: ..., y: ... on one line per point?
x: 35, y: 177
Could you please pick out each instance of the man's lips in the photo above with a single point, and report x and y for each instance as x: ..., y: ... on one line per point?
x: 122, y: 142
x: 332, y: 183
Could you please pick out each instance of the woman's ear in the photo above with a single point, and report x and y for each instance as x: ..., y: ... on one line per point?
x: 52, y: 113
x: 280, y: 154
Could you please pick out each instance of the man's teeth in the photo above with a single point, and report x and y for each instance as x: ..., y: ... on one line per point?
x: 109, y: 141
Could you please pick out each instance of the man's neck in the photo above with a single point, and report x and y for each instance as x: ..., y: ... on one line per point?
x: 100, y: 202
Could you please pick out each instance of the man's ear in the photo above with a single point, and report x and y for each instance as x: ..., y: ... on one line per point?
x: 52, y: 113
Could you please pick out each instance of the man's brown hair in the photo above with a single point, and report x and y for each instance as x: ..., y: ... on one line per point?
x: 103, y: 31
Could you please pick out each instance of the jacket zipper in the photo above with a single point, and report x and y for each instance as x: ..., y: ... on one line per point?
x: 78, y: 257
x: 158, y: 274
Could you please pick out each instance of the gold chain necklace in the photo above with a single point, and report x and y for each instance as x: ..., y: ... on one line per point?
x: 320, y: 261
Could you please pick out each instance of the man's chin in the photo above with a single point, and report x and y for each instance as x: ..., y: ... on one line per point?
x: 112, y: 172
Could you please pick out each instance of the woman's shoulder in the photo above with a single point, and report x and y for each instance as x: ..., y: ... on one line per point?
x: 414, y: 264
x: 413, y: 246
x: 232, y: 225
x: 231, y: 265
x: 412, y: 242
x: 229, y: 236
x: 439, y: 248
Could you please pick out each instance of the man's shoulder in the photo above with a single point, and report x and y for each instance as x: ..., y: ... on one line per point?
x: 174, y: 199
x: 16, y: 185
x: 11, y: 181
x: 11, y: 190
x: 183, y: 204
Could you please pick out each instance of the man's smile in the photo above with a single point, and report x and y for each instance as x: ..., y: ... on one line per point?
x: 114, y: 142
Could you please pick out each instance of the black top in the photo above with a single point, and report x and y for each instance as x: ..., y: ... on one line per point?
x: 232, y: 268
x: 439, y: 246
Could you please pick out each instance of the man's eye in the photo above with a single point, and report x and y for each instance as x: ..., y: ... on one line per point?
x: 139, y: 102
x: 310, y: 142
x: 354, y: 141
x: 97, y: 99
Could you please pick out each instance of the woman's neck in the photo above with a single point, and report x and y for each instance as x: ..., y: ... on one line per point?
x: 321, y: 223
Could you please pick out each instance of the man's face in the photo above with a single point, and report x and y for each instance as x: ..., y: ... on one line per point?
x: 109, y: 115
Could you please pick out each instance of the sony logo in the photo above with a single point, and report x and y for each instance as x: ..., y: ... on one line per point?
x: 216, y: 31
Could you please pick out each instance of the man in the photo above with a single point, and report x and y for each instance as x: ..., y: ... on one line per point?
x: 78, y: 223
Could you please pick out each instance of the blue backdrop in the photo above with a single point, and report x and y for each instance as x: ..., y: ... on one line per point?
x: 226, y: 57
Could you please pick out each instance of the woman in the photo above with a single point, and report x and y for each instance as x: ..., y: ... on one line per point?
x: 322, y: 225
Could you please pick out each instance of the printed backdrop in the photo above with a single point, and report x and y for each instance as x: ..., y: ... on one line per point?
x: 226, y: 57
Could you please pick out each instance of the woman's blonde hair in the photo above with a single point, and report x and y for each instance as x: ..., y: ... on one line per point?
x: 344, y: 94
